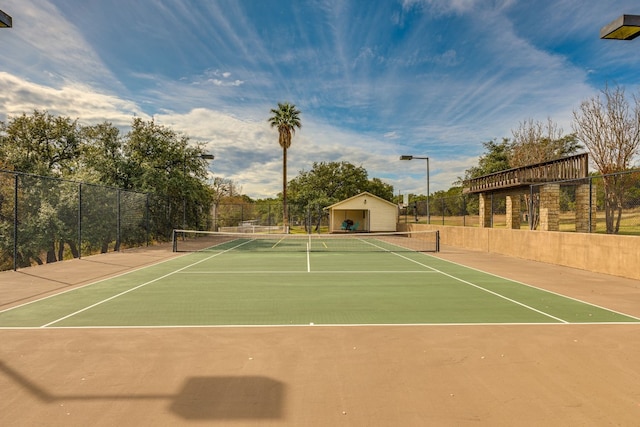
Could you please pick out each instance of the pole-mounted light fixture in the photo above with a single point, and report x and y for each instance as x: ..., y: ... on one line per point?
x: 626, y: 27
x: 5, y: 20
x: 409, y: 157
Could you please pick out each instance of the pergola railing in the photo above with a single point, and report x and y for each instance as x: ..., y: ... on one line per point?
x: 567, y: 168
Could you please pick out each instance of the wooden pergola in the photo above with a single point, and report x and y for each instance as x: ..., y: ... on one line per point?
x: 517, y: 181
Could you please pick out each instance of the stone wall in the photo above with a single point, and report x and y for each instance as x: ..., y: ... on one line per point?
x: 600, y: 253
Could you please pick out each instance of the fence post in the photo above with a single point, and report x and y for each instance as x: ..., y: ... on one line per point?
x: 146, y: 218
x: 464, y: 210
x: 118, y: 221
x: 591, y: 228
x: 79, y: 220
x: 15, y: 222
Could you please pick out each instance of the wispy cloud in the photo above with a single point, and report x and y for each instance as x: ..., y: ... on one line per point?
x: 432, y: 77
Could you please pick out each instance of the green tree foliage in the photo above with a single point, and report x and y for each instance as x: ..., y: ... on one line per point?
x: 41, y: 144
x: 330, y: 182
x: 150, y: 159
x: 495, y: 159
x: 103, y: 157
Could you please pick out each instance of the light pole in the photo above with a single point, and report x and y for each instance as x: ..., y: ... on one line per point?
x: 626, y: 27
x: 5, y: 20
x: 405, y: 157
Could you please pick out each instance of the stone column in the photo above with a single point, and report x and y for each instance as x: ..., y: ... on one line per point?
x: 583, y: 207
x: 485, y: 210
x: 513, y: 211
x: 550, y: 207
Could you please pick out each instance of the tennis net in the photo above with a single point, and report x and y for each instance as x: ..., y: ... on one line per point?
x: 413, y: 241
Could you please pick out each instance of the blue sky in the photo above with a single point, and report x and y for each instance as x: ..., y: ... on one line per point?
x: 373, y: 79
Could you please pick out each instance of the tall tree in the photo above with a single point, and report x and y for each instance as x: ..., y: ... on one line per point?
x: 160, y: 160
x: 41, y: 144
x: 536, y: 142
x: 495, y: 159
x: 610, y: 129
x: 103, y: 155
x: 286, y: 118
x: 329, y: 182
x: 50, y: 146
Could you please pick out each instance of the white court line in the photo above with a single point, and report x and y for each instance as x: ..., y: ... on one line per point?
x: 139, y: 286
x: 330, y: 325
x: 214, y: 272
x: 478, y: 287
x: 537, y: 288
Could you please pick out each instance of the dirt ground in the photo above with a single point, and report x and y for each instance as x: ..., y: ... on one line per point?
x: 525, y: 375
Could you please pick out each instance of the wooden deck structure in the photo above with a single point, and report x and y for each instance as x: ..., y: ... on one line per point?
x: 513, y: 183
x: 567, y: 168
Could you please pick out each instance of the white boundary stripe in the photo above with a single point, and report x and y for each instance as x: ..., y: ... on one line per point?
x: 137, y: 287
x: 536, y: 287
x: 329, y: 325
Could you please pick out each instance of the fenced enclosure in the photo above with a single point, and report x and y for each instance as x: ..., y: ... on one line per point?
x: 45, y: 219
x: 616, y: 206
x: 266, y: 217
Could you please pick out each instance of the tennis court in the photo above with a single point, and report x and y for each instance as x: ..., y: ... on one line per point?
x: 295, y: 280
x: 248, y: 332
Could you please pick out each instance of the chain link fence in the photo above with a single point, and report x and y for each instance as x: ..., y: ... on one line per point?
x: 44, y: 220
x: 267, y: 217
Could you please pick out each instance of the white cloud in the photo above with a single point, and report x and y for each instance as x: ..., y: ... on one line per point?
x: 372, y: 83
x: 49, y: 48
x: 18, y: 96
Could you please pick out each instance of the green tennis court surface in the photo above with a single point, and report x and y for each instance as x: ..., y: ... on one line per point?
x: 231, y: 284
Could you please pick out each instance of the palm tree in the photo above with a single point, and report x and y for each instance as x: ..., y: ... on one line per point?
x: 286, y: 118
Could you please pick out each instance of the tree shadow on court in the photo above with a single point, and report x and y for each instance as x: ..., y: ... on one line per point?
x: 200, y: 398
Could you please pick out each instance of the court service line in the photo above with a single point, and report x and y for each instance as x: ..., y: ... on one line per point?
x: 140, y: 286
x: 477, y: 286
